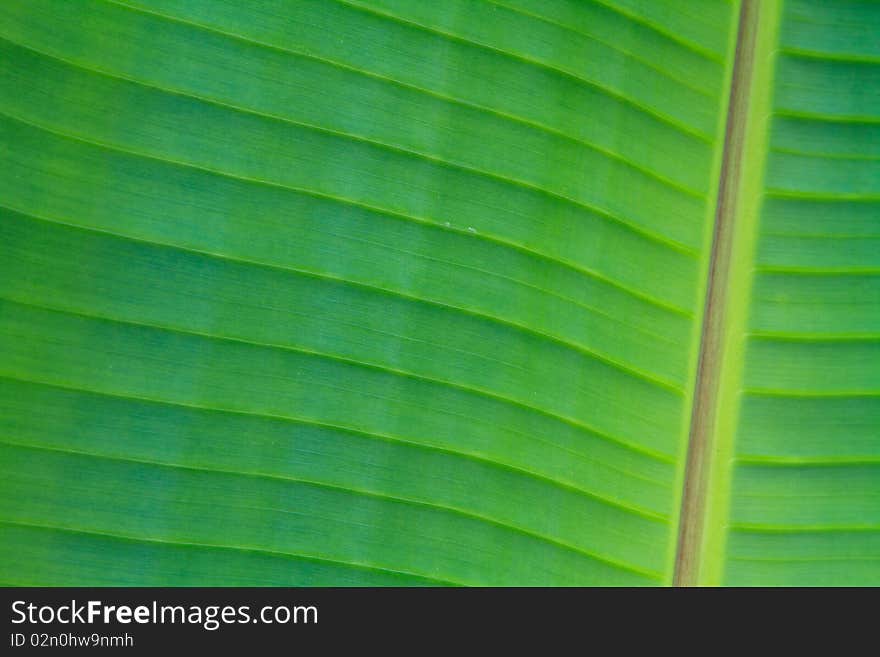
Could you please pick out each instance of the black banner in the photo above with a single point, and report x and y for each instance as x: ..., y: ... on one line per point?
x: 270, y: 620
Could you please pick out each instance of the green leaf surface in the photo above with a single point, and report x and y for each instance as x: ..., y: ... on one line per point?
x: 389, y: 292
x: 802, y: 484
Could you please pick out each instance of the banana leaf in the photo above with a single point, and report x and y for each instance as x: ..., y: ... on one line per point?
x: 471, y: 292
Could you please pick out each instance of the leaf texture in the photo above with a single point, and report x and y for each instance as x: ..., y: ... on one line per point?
x: 804, y: 504
x: 386, y: 292
x: 331, y: 292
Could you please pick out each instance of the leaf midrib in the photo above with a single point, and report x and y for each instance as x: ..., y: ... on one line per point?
x: 705, y: 398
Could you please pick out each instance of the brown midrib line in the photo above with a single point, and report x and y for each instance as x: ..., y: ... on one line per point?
x: 692, y: 516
